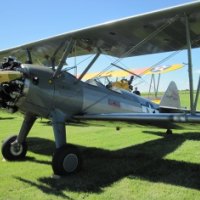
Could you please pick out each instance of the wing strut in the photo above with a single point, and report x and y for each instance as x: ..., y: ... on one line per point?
x: 53, y: 58
x: 155, y: 86
x: 28, y: 57
x: 69, y: 46
x: 197, y: 95
x: 158, y: 83
x: 187, y: 26
x: 90, y: 65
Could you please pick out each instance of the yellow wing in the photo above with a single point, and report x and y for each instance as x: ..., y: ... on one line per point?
x: 163, y: 69
x: 115, y: 73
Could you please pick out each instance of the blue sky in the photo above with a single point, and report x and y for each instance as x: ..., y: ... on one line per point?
x: 25, y: 21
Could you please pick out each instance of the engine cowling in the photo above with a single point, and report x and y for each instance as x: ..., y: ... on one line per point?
x: 11, y: 86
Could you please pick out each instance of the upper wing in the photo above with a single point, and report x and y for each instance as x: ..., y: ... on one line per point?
x: 122, y: 38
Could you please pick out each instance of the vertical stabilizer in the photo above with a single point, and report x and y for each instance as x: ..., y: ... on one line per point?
x: 171, y: 99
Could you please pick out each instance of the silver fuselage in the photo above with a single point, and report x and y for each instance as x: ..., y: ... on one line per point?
x: 42, y: 94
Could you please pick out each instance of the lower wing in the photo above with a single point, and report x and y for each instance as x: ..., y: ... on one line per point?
x: 160, y: 120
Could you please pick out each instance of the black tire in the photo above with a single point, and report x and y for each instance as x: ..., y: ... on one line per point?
x: 169, y: 132
x: 66, y: 160
x: 10, y: 153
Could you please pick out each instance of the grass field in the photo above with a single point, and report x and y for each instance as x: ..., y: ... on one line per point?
x: 133, y: 163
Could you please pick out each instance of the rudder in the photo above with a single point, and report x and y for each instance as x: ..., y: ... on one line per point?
x: 171, y: 99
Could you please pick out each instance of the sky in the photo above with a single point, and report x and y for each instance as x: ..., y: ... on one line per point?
x: 25, y: 21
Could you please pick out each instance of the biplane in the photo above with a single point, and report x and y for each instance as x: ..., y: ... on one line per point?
x: 51, y: 92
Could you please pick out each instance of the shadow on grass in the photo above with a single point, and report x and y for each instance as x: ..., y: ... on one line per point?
x: 41, y: 146
x: 45, y: 189
x: 144, y: 161
x: 6, y: 118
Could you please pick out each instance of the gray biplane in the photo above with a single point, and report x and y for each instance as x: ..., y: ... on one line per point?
x: 50, y: 92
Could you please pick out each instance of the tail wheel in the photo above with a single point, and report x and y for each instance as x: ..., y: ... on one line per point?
x: 66, y: 160
x: 169, y: 132
x: 12, y: 151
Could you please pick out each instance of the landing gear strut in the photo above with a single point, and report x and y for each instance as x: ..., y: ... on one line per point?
x: 15, y: 147
x: 66, y: 159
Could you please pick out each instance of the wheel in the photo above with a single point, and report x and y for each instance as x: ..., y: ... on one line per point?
x: 169, y: 132
x: 13, y: 152
x: 66, y: 160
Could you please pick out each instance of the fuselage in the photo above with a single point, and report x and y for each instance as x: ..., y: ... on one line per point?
x: 42, y: 94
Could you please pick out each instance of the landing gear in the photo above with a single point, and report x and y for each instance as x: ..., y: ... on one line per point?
x: 15, y: 147
x: 169, y: 132
x: 11, y: 150
x: 66, y: 160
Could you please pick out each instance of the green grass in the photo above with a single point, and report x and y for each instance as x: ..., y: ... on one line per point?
x: 184, y: 95
x: 133, y: 163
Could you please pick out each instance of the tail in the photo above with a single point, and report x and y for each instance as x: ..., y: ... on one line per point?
x: 170, y: 101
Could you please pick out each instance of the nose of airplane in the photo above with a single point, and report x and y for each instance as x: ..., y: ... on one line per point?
x: 11, y: 85
x: 7, y: 76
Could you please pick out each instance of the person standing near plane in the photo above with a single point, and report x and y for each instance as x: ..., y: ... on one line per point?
x: 136, y: 91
